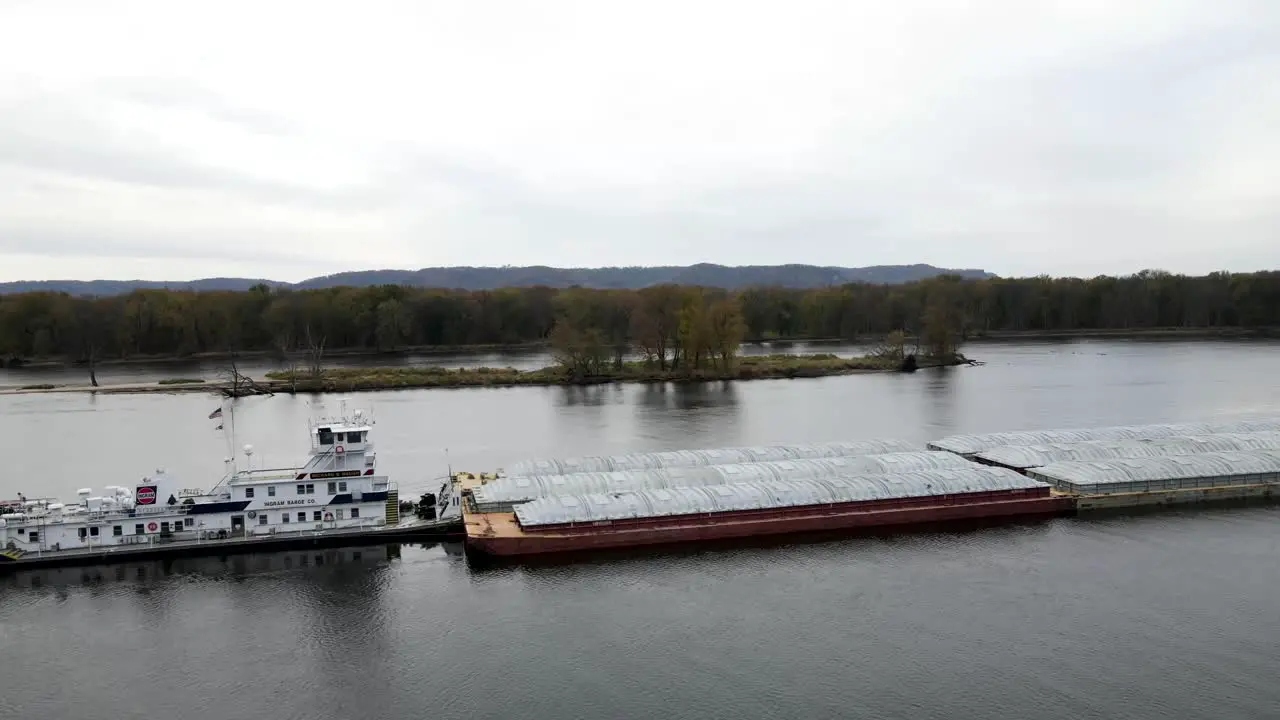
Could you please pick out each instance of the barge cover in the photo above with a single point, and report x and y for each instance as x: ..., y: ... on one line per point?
x: 973, y: 444
x: 518, y: 489
x: 1160, y: 474
x: 699, y: 458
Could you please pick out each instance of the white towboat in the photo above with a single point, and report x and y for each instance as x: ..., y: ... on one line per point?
x: 337, y: 492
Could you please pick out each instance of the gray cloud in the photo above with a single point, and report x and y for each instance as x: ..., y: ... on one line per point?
x: 1023, y: 142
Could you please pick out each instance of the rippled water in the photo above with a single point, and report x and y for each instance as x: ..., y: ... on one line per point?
x: 1160, y: 616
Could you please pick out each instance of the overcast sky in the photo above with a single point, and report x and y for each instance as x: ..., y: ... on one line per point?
x: 176, y: 140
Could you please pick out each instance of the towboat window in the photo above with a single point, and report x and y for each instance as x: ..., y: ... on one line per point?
x: 248, y: 492
x: 118, y: 530
x: 262, y: 519
x: 189, y: 521
x: 302, y: 517
x: 333, y: 488
x: 342, y: 486
x: 339, y: 513
x: 311, y: 489
x: 271, y: 490
x: 302, y: 489
x: 137, y: 529
x: 284, y: 517
x: 316, y: 516
x: 326, y: 436
x: 355, y: 513
x: 33, y: 536
x: 93, y: 531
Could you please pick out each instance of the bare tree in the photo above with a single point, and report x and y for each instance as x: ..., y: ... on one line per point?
x: 315, y: 353
x: 90, y: 324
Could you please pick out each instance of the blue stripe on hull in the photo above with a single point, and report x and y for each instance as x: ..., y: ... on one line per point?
x: 218, y: 507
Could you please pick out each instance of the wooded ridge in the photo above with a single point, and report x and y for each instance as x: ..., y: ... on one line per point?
x: 704, y: 323
x: 492, y: 278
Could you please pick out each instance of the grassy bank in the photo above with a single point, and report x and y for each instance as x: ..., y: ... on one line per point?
x: 978, y: 336
x: 759, y: 367
x: 746, y: 368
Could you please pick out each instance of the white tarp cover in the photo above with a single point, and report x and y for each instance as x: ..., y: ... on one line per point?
x: 1029, y: 456
x: 528, y: 487
x: 697, y: 458
x: 970, y: 444
x: 762, y: 494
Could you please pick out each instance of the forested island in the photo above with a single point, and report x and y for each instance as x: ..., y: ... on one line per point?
x: 594, y: 333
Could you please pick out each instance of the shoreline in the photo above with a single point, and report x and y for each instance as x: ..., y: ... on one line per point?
x: 541, y: 345
x: 766, y: 367
x: 1222, y: 333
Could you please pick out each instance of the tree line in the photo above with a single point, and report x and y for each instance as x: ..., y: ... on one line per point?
x: 696, y: 326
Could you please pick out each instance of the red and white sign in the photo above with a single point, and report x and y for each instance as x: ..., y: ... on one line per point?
x: 152, y: 526
x: 145, y: 495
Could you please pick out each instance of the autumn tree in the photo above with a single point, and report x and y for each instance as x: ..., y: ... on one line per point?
x: 725, y: 330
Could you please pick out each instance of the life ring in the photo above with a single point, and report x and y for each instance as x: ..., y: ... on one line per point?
x: 328, y: 517
x: 152, y: 526
x: 253, y: 514
x: 339, y: 450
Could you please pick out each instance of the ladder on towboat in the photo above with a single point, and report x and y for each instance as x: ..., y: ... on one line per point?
x: 393, y: 507
x: 13, y: 554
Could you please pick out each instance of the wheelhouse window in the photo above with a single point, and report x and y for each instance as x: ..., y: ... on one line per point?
x: 302, y: 489
x: 333, y: 488
x: 325, y: 435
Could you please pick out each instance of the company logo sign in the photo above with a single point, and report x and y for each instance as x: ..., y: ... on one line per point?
x: 145, y: 495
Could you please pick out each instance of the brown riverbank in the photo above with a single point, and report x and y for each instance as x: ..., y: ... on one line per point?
x: 365, y: 379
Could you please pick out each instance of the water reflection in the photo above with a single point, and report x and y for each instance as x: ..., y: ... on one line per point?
x: 939, y: 398
x: 342, y: 567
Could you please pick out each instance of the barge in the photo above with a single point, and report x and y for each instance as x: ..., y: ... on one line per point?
x: 573, y: 523
x: 1211, y: 477
x: 336, y: 497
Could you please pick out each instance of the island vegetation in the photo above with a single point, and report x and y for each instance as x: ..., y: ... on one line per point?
x: 659, y: 332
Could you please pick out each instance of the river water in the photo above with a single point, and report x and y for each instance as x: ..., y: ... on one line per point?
x: 1160, y: 616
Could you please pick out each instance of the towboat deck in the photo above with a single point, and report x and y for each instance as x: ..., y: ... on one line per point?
x: 407, y: 529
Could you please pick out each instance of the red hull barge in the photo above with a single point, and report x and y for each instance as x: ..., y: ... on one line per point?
x: 500, y: 534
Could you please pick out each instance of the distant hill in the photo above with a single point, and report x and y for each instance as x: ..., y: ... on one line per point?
x: 489, y: 278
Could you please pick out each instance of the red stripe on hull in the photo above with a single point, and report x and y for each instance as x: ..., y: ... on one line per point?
x: 693, y: 530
